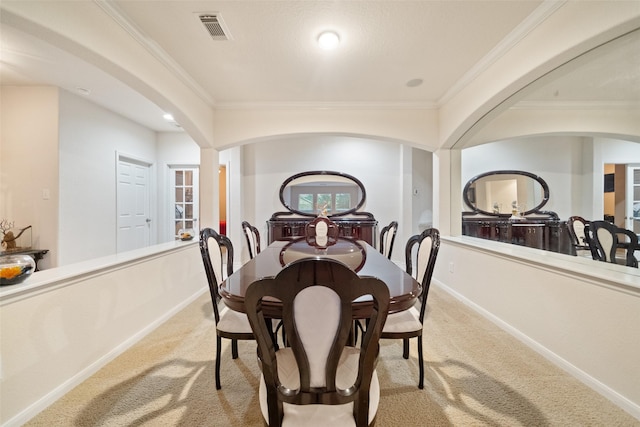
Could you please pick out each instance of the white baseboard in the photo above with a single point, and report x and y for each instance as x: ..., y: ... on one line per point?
x: 55, y: 394
x: 587, y: 379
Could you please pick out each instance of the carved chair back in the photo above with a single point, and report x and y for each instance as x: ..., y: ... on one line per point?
x: 606, y: 239
x: 321, y: 231
x: 579, y: 240
x: 216, y: 251
x: 317, y: 296
x: 421, y: 251
x: 387, y: 238
x: 253, y: 238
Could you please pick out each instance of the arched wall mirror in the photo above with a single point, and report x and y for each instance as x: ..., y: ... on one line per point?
x: 322, y: 192
x: 502, y: 192
x: 567, y: 126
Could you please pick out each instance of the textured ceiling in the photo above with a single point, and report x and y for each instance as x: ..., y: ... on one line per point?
x: 273, y: 55
x: 272, y: 58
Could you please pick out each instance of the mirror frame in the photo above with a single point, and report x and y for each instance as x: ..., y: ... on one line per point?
x: 535, y: 209
x: 323, y: 173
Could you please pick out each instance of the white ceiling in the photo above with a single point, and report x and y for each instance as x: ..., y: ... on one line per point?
x: 272, y: 59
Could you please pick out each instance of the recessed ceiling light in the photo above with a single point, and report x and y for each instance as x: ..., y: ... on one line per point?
x: 414, y: 82
x: 328, y: 40
x: 168, y: 117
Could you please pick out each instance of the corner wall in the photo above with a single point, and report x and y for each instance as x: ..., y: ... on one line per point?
x: 29, y: 163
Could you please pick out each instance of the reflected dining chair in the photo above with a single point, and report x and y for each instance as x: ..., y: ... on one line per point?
x: 387, y: 238
x: 421, y: 252
x: 253, y: 238
x: 319, y: 380
x: 216, y: 251
x: 321, y: 231
x: 606, y: 240
x: 579, y: 240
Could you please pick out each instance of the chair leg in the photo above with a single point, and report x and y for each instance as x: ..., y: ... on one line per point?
x: 234, y: 349
x: 421, y: 364
x: 405, y: 348
x: 218, y: 353
x: 284, y: 336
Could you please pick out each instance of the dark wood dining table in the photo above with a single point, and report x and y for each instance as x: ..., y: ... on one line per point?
x: 361, y: 257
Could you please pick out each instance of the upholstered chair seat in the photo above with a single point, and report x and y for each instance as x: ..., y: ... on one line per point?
x: 320, y: 415
x: 421, y: 252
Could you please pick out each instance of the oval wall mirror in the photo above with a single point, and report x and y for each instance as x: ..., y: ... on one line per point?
x: 499, y: 192
x: 322, y: 192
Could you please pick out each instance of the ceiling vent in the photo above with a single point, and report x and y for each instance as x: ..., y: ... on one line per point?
x: 215, y: 26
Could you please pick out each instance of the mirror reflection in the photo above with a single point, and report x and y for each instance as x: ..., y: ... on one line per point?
x: 506, y: 192
x: 577, y: 126
x: 347, y: 251
x: 322, y: 193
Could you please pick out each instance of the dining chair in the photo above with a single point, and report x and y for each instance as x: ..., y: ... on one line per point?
x: 387, y: 238
x: 606, y: 240
x: 421, y: 250
x: 579, y: 241
x: 319, y: 379
x: 321, y: 231
x: 229, y: 324
x: 253, y: 238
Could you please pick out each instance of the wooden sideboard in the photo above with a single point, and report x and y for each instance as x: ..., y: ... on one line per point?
x: 547, y: 234
x: 281, y: 227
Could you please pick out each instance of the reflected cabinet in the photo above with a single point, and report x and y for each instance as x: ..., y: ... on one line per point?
x: 507, y: 207
x: 549, y: 235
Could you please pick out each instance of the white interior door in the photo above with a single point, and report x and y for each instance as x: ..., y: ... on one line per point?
x: 134, y: 222
x: 633, y: 199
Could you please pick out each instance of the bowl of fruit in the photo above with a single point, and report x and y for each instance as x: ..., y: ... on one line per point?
x: 186, y: 234
x: 15, y: 269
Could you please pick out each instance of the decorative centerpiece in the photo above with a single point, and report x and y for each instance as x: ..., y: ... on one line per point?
x: 15, y: 269
x: 14, y: 239
x: 186, y: 234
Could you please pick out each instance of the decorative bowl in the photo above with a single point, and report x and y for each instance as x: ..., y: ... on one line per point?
x: 15, y: 269
x: 186, y: 234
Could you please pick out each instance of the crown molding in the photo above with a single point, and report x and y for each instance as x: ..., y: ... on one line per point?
x: 326, y: 105
x: 114, y: 12
x: 542, y: 12
x: 576, y: 105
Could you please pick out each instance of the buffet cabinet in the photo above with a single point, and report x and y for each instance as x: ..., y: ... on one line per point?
x: 280, y: 228
x: 550, y: 235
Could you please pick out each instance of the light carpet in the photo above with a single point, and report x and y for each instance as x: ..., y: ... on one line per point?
x: 476, y: 375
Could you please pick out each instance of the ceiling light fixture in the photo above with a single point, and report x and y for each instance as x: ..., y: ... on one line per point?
x: 168, y: 117
x: 328, y: 40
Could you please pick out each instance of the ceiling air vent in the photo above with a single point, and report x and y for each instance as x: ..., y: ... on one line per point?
x: 215, y: 26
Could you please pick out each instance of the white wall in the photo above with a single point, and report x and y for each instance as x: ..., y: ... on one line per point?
x: 64, y: 324
x: 90, y: 137
x: 421, y: 190
x: 71, y: 153
x: 28, y: 164
x: 378, y: 164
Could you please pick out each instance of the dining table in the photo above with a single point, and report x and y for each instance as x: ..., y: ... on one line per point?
x: 358, y: 255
